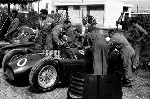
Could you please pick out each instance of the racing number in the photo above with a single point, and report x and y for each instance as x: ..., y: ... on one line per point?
x: 82, y: 52
x: 53, y: 54
x: 22, y: 62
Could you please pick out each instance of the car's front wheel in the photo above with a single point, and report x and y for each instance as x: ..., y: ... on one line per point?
x: 44, y: 76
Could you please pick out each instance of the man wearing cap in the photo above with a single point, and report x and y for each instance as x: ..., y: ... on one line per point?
x: 45, y: 27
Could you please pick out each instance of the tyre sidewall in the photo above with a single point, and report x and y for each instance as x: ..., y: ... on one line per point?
x: 33, y: 76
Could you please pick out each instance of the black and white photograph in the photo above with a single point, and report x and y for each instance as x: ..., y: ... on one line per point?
x: 74, y: 49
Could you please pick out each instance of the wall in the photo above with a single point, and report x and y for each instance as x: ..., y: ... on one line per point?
x: 42, y: 5
x: 97, y: 11
x: 108, y: 18
x: 76, y: 15
x: 113, y: 10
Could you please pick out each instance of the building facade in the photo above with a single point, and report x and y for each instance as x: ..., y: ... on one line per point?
x: 106, y: 12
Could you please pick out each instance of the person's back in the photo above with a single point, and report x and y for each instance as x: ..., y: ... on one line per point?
x: 120, y: 39
x: 100, y: 51
x: 97, y: 36
x: 127, y: 54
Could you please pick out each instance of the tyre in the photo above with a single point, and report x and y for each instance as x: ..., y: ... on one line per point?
x: 44, y: 76
x: 9, y: 75
x: 12, y: 55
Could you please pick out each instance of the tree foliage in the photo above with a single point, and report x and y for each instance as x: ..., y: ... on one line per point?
x: 144, y: 21
x: 89, y: 19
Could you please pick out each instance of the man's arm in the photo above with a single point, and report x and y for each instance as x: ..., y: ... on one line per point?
x: 56, y: 34
x: 116, y: 42
x: 143, y: 31
x: 14, y: 25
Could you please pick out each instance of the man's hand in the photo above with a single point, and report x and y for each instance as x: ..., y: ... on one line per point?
x: 87, y: 47
x: 60, y: 43
x: 140, y: 39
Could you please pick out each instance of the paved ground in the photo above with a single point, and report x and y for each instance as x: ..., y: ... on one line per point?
x: 140, y: 90
x: 141, y: 86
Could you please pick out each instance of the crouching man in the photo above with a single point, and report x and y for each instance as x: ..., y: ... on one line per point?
x: 127, y: 54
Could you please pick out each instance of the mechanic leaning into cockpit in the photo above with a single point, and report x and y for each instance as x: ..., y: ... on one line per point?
x: 60, y: 36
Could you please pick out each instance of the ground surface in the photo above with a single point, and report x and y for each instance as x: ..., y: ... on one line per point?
x: 140, y: 89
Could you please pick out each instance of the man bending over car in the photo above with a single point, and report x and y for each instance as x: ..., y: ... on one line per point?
x: 60, y: 37
x: 127, y: 54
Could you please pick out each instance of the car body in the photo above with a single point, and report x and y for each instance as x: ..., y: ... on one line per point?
x: 9, y: 47
x: 21, y: 67
x: 30, y: 67
x: 22, y: 42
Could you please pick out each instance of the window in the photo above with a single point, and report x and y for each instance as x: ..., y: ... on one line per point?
x: 125, y: 9
x: 95, y: 7
x: 77, y: 7
x: 62, y: 7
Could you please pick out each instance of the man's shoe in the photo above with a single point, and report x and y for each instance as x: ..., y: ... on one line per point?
x: 127, y: 83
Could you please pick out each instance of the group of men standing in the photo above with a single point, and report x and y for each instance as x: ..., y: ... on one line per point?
x: 50, y: 36
x: 101, y: 48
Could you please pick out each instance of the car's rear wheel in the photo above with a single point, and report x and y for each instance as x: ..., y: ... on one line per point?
x: 9, y: 75
x: 44, y: 76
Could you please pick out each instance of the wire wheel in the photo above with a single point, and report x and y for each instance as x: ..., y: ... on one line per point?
x: 47, y: 76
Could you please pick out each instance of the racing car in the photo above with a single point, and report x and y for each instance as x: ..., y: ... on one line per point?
x: 46, y: 69
x: 24, y: 41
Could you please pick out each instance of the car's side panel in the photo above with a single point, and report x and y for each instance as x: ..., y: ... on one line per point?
x: 25, y: 63
x: 17, y: 45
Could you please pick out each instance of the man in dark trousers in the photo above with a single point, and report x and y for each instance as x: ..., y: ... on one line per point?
x: 138, y: 36
x: 127, y: 54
